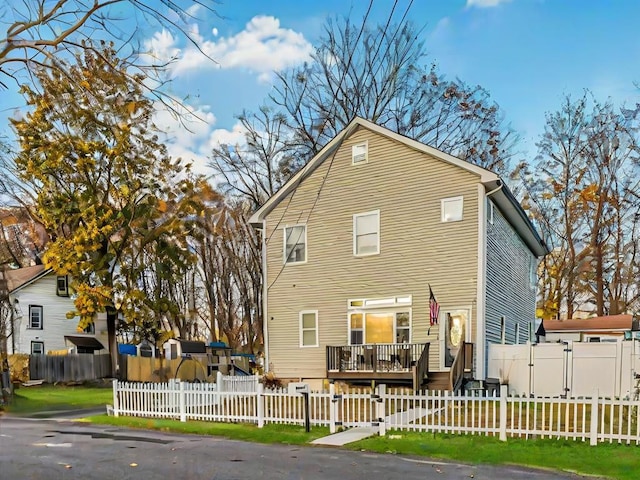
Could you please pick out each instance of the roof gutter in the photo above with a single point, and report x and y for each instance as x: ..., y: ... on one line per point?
x: 515, y: 214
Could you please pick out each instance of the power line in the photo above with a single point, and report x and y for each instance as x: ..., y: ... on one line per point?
x: 333, y: 156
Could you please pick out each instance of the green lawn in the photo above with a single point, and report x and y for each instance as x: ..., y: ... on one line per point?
x: 271, y: 433
x: 609, y: 460
x: 29, y: 400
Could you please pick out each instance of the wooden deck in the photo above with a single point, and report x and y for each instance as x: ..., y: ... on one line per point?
x: 394, y: 362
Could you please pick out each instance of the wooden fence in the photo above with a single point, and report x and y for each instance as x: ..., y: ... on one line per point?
x: 69, y: 368
x: 593, y: 419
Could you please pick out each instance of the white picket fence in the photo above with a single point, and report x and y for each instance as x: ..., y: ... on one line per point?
x: 237, y: 383
x: 593, y: 419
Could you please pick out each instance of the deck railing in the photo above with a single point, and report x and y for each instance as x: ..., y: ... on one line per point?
x: 379, y: 357
x: 461, y: 364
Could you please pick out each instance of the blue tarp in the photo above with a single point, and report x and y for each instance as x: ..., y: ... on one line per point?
x: 127, y: 349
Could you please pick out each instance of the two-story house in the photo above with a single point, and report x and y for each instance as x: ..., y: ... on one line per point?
x: 40, y: 302
x: 385, y: 259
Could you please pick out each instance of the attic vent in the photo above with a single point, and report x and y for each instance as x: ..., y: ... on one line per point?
x: 359, y: 153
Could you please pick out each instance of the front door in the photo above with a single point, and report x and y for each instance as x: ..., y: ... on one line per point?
x: 454, y: 331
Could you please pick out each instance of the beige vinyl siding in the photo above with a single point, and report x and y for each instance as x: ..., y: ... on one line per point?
x: 416, y: 248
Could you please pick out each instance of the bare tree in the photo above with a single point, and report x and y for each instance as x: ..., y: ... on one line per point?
x: 39, y: 32
x: 256, y: 168
x: 381, y: 74
x: 583, y: 196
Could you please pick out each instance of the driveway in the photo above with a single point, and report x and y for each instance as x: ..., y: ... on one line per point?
x: 63, y: 449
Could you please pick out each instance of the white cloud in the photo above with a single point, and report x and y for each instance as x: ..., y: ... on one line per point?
x: 262, y: 47
x: 485, y: 3
x: 235, y: 136
x: 162, y: 46
x: 186, y: 132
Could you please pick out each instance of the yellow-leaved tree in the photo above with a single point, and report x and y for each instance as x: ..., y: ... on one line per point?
x: 114, y: 203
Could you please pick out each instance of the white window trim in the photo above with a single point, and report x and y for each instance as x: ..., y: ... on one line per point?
x: 533, y: 273
x: 305, y: 312
x: 364, y: 311
x: 38, y: 342
x: 284, y: 245
x: 41, y: 327
x: 364, y: 214
x: 516, y: 340
x: 62, y: 292
x: 367, y: 303
x: 364, y: 144
x: 491, y: 212
x: 451, y: 199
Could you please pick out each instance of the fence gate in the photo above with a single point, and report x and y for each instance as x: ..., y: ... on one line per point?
x: 357, y: 409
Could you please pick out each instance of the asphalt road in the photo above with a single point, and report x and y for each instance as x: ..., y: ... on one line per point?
x: 52, y: 450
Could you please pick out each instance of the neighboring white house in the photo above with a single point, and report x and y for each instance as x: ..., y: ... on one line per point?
x: 41, y: 301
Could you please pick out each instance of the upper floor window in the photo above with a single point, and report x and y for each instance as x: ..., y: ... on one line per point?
x: 309, y: 328
x: 533, y: 272
x: 35, y: 317
x: 359, y: 153
x: 366, y: 233
x: 62, y: 286
x: 452, y: 209
x: 503, y: 330
x: 490, y: 211
x: 295, y: 244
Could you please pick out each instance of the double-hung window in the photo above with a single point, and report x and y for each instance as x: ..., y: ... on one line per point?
x: 366, y: 233
x: 309, y: 328
x: 295, y: 244
x: 37, y: 348
x: 62, y: 286
x: 35, y: 317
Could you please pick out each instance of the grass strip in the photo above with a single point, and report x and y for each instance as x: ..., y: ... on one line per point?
x: 616, y: 461
x: 270, y: 433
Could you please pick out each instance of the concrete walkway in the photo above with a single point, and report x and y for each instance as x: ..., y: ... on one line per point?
x: 347, y: 436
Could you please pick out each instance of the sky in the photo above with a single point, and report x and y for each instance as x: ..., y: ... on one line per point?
x: 527, y: 53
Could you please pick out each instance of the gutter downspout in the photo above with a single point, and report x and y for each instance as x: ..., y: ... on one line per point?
x: 265, y: 291
x: 481, y: 286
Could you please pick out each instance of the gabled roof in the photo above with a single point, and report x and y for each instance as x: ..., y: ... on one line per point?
x: 500, y: 194
x: 608, y: 322
x: 21, y: 277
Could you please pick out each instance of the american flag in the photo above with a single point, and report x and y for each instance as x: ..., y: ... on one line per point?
x: 434, y: 308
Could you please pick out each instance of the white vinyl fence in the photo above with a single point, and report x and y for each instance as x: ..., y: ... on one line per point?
x: 592, y: 419
x: 571, y: 369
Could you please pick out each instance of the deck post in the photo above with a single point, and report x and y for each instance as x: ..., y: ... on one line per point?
x: 504, y: 390
x: 593, y: 430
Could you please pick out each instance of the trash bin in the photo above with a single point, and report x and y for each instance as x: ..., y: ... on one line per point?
x: 492, y: 385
